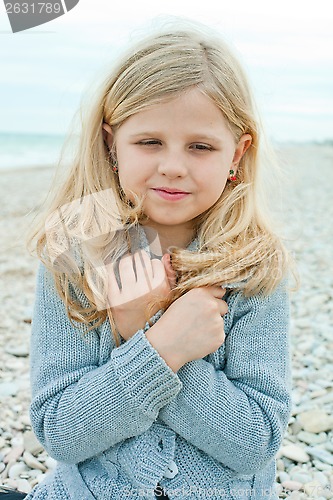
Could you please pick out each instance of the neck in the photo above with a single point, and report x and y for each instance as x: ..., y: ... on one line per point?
x: 160, y: 240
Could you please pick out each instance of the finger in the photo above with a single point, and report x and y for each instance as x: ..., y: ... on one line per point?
x: 112, y: 280
x: 217, y: 291
x: 223, y: 307
x: 113, y: 287
x: 144, y: 270
x: 171, y: 274
x: 126, y: 269
x: 160, y: 275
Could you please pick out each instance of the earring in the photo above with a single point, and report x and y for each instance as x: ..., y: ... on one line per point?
x: 232, y: 176
x: 115, y: 166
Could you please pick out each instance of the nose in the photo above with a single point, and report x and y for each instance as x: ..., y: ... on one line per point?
x: 172, y: 164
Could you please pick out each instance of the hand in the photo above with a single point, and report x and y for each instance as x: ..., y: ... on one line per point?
x: 150, y: 279
x: 191, y: 328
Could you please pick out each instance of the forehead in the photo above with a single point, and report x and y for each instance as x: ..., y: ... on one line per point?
x: 188, y: 111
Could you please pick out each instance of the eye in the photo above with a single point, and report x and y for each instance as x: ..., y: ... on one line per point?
x: 202, y: 147
x: 149, y: 142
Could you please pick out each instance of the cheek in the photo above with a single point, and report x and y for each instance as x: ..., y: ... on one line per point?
x: 213, y: 182
x: 218, y: 189
x: 130, y: 182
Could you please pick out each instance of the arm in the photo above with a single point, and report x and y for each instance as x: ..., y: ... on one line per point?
x: 238, y: 415
x: 86, y: 397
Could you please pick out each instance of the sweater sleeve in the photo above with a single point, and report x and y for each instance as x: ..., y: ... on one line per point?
x: 240, y: 411
x: 83, y: 404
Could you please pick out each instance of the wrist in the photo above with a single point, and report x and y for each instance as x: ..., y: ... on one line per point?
x: 160, y: 343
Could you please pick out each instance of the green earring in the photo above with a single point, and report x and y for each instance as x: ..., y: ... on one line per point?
x: 232, y: 177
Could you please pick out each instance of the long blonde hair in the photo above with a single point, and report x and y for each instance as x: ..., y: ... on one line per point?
x: 235, y: 238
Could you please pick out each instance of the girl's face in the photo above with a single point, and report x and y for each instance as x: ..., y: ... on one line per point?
x: 178, y: 153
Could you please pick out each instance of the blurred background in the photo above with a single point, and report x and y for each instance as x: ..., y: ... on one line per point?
x: 286, y: 48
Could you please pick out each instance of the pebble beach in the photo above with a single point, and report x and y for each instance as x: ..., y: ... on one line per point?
x: 305, y: 209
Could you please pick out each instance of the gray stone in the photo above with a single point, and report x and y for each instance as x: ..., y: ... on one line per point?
x: 20, y: 351
x: 295, y: 453
x: 8, y: 389
x: 322, y: 455
x: 17, y: 469
x: 321, y: 466
x: 323, y: 480
x: 301, y: 477
x: 31, y: 443
x: 311, y: 438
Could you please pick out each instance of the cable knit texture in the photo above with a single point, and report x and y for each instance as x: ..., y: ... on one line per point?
x: 114, y: 418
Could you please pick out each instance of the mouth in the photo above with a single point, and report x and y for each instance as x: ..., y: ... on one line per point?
x: 172, y: 194
x: 171, y: 190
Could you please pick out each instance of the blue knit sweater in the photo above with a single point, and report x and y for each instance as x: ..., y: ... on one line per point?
x: 119, y: 420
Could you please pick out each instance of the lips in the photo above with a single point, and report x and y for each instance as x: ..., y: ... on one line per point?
x: 170, y: 190
x: 170, y: 194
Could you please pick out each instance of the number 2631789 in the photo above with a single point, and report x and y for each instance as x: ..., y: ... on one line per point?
x: 33, y: 8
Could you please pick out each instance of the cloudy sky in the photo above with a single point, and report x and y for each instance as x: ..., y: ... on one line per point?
x: 286, y: 48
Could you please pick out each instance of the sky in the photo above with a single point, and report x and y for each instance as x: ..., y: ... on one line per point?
x: 286, y: 48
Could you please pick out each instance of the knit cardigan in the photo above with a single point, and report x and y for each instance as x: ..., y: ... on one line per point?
x: 118, y: 420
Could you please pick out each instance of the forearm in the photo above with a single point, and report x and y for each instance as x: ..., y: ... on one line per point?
x: 90, y: 410
x: 233, y: 423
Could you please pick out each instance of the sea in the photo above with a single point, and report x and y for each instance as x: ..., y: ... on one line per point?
x: 18, y: 150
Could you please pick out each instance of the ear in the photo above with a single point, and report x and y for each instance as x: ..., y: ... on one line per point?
x: 107, y: 135
x: 243, y: 145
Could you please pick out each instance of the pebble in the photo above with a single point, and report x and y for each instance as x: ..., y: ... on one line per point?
x: 322, y: 455
x: 283, y: 477
x: 292, y: 485
x: 31, y: 443
x: 40, y: 478
x: 8, y: 389
x: 23, y: 485
x: 295, y: 495
x: 319, y: 476
x: 50, y: 463
x: 311, y: 438
x: 14, y: 454
x: 316, y: 421
x: 35, y: 473
x: 32, y: 462
x: 329, y: 446
x: 301, y: 477
x: 294, y: 453
x: 280, y: 464
x: 314, y: 489
x: 17, y: 469
x: 21, y: 351
x: 321, y: 466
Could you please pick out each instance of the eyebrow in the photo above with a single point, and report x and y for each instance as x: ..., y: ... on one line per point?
x: 144, y: 133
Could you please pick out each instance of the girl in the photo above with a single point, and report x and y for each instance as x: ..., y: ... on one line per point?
x: 159, y: 354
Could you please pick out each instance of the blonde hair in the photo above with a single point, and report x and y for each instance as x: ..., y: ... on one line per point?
x: 235, y: 239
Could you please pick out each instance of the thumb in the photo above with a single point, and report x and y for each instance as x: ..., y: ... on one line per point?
x: 171, y: 274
